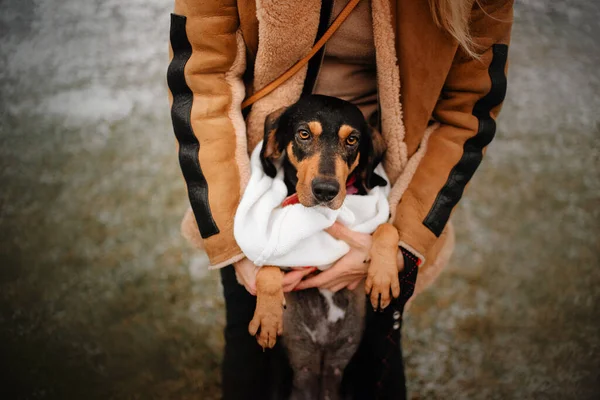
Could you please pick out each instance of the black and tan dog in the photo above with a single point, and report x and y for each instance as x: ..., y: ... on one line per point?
x: 323, y: 141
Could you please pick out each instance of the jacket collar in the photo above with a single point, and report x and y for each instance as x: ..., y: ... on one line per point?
x: 423, y: 56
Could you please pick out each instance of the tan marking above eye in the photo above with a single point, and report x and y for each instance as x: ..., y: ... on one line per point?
x: 345, y: 131
x: 315, y: 127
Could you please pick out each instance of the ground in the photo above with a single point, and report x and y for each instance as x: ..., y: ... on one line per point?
x: 100, y: 297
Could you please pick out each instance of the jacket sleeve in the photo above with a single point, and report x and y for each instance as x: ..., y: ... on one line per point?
x: 468, y: 106
x: 204, y: 83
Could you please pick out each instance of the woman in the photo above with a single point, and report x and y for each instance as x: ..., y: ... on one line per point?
x: 431, y: 76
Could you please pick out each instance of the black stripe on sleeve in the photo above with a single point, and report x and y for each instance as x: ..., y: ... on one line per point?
x: 463, y: 171
x: 181, y: 117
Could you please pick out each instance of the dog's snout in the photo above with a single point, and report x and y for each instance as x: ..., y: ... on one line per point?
x: 325, y: 189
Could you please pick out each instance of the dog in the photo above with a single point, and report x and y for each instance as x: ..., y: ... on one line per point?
x: 322, y: 142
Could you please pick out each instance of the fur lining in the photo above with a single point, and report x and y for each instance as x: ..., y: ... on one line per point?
x: 279, y: 48
x: 408, y: 247
x: 227, y: 262
x: 189, y: 230
x: 388, y: 81
x: 238, y: 92
x: 409, y: 171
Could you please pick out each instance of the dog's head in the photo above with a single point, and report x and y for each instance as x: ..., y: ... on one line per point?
x: 325, y: 139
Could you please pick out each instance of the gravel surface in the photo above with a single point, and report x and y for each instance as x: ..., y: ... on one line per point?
x: 101, y: 298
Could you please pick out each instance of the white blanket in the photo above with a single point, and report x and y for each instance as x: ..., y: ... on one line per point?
x: 293, y: 236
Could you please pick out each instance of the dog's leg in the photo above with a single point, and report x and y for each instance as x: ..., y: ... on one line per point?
x: 304, y: 319
x: 305, y: 384
x: 343, y: 343
x: 305, y: 360
x: 382, y: 277
x: 331, y: 382
x: 267, y: 322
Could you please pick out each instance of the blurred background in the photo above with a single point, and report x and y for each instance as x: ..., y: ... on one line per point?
x: 101, y: 298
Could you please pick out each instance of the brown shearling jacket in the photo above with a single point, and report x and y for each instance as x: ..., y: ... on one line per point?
x: 437, y: 105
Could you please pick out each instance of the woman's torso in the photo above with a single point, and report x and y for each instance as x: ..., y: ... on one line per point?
x: 348, y: 70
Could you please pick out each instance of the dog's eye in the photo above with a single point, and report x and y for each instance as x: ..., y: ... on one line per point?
x: 303, y: 134
x: 351, y: 140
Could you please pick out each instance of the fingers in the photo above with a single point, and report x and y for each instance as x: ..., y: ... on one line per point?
x: 308, y: 283
x: 290, y: 287
x: 322, y: 279
x: 355, y: 284
x: 339, y: 231
x: 293, y: 278
x: 347, y: 269
x: 354, y: 239
x: 345, y: 282
x: 296, y: 275
x: 336, y: 288
x: 245, y: 273
x: 317, y: 281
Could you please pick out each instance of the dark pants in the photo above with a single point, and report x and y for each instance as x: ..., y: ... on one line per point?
x: 249, y: 373
x: 375, y: 372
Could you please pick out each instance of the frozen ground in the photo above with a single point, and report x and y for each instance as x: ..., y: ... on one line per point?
x: 100, y: 298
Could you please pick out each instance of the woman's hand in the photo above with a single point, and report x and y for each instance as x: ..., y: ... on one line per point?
x: 349, y: 270
x: 292, y: 279
x: 246, y: 271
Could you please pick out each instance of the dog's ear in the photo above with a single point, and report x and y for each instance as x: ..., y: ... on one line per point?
x: 271, y: 148
x: 372, y: 150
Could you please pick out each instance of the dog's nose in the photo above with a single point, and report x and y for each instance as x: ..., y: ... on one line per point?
x: 325, y: 189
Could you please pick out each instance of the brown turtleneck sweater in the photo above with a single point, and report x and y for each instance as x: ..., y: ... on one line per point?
x: 349, y: 69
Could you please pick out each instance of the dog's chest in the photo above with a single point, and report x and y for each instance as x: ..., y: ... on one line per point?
x: 324, y: 317
x: 323, y: 322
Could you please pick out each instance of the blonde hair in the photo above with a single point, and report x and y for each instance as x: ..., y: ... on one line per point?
x: 453, y: 17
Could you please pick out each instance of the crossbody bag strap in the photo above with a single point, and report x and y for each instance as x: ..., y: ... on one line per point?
x: 303, y: 61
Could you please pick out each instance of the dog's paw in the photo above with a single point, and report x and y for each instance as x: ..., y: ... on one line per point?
x: 382, y: 284
x: 267, y: 322
x: 382, y: 277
